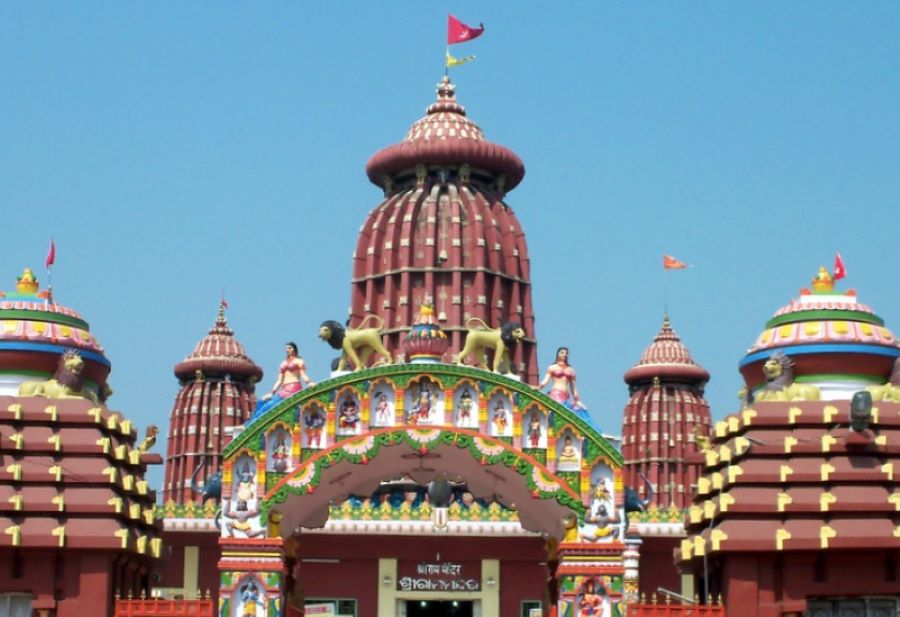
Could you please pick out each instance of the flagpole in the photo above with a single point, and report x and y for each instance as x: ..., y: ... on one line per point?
x: 446, y: 64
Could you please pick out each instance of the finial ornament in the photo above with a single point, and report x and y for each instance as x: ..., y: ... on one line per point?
x: 823, y: 281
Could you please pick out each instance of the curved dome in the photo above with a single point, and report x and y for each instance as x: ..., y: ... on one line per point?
x: 446, y: 136
x: 835, y: 342
x: 218, y: 353
x: 35, y: 331
x: 666, y: 357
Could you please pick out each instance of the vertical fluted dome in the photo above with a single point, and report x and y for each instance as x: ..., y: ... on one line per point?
x: 443, y: 234
x: 217, y: 391
x: 665, y: 412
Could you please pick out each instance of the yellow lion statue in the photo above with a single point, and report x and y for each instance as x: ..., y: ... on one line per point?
x: 67, y: 382
x: 356, y: 344
x: 780, y: 386
x: 482, y: 337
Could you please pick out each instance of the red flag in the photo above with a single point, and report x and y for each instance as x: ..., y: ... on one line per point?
x: 51, y: 255
x: 839, y: 270
x: 458, y: 32
x: 670, y: 263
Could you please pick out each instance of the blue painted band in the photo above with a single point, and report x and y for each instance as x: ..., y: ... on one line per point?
x: 799, y: 350
x: 54, y: 349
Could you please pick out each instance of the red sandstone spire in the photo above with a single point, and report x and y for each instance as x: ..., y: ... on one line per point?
x: 444, y: 233
x: 666, y: 404
x: 217, y: 391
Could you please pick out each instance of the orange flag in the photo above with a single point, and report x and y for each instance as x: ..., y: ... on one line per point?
x: 670, y: 263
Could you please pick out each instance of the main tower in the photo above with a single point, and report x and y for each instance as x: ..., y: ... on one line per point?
x: 444, y: 235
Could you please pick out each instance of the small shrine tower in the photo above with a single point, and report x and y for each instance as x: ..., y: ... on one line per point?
x: 217, y: 382
x: 443, y: 234
x: 663, y: 416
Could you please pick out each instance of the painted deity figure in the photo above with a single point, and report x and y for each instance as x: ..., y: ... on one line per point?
x: 384, y: 414
x: 349, y: 415
x: 500, y: 418
x: 422, y: 411
x: 590, y: 604
x: 569, y: 456
x: 534, y: 431
x: 245, y: 489
x: 602, y: 521
x: 561, y: 378
x: 314, y: 422
x: 250, y: 601
x: 466, y: 409
x: 281, y: 453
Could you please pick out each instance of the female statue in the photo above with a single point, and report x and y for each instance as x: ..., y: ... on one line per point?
x: 291, y: 374
x: 561, y: 377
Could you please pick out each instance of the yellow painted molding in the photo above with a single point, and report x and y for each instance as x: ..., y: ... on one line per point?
x: 16, y: 532
x: 888, y: 469
x: 699, y: 546
x: 104, y: 443
x: 734, y: 424
x: 793, y: 414
x: 148, y: 515
x: 717, y: 480
x: 117, y: 502
x: 881, y: 440
x: 725, y: 500
x: 695, y: 513
x: 781, y: 536
x: 703, y: 485
x: 789, y: 443
x: 95, y: 413
x: 120, y: 452
x: 16, y: 470
x: 141, y: 544
x: 142, y: 487
x: 687, y: 547
x: 56, y: 471
x: 725, y: 454
x: 112, y: 422
x: 51, y: 411
x: 18, y: 439
x: 875, y: 414
x: 60, y: 502
x: 827, y: 442
x: 60, y: 532
x: 128, y: 482
x: 717, y: 536
x: 113, y: 474
x: 156, y: 547
x: 828, y: 414
x: 16, y: 410
x: 747, y: 416
x: 786, y: 471
x: 17, y: 501
x: 55, y: 442
x: 894, y: 498
x: 733, y: 472
x: 122, y: 534
x: 125, y: 427
x: 134, y: 511
x: 825, y: 501
x: 709, y: 509
x: 825, y: 470
x: 721, y: 428
x: 134, y: 457
x: 712, y: 459
x: 783, y: 500
x: 741, y: 444
x: 825, y: 534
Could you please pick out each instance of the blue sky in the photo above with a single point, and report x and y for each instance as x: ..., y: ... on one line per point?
x: 174, y: 150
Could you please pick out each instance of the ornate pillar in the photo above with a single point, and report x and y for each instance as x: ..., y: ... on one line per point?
x: 251, y: 572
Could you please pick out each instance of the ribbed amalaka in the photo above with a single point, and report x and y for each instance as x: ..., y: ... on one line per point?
x: 665, y: 409
x: 444, y: 235
x: 217, y: 382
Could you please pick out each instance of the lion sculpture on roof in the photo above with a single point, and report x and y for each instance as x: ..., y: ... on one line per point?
x: 780, y: 386
x: 67, y: 382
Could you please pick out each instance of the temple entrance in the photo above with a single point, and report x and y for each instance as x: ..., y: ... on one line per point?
x: 439, y: 608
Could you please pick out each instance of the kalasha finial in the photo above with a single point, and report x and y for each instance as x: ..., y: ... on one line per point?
x: 446, y: 89
x: 27, y: 283
x: 426, y: 342
x: 823, y: 281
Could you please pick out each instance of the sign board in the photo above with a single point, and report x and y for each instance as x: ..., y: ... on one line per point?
x: 439, y: 576
x: 323, y: 609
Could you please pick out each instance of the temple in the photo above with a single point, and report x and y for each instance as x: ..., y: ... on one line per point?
x: 77, y: 519
x: 435, y: 469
